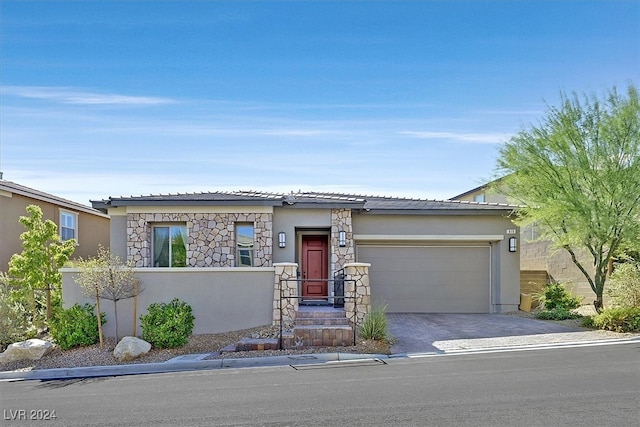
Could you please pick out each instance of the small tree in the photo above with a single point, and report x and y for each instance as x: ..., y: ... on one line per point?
x: 36, y: 268
x: 107, y: 276
x: 577, y: 174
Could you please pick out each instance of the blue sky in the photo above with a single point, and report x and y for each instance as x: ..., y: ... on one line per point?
x: 407, y: 98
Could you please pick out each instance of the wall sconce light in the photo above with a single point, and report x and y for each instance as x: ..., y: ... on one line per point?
x: 282, y: 239
x: 342, y: 238
x: 513, y: 244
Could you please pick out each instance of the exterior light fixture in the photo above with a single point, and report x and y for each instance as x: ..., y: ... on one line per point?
x: 342, y: 238
x: 282, y: 239
x: 513, y: 244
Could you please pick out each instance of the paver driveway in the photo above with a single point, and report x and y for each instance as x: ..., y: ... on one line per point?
x: 417, y: 332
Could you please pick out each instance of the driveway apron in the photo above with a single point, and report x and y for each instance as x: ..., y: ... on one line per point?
x: 417, y: 332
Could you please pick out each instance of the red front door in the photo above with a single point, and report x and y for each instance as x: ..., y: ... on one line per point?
x: 315, y: 267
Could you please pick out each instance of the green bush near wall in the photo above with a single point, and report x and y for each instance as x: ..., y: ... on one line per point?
x: 76, y: 326
x: 167, y: 325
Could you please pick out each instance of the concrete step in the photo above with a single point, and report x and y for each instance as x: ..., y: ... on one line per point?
x: 320, y: 314
x: 322, y: 321
x: 323, y: 335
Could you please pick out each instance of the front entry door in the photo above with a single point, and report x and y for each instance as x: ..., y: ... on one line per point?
x: 315, y: 267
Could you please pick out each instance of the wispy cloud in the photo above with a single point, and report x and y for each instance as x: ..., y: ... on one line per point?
x: 463, y: 137
x: 67, y: 95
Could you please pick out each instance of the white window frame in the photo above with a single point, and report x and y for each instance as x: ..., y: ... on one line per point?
x: 74, y: 215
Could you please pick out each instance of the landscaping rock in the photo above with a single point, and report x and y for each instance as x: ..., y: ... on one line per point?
x: 130, y: 348
x: 32, y: 349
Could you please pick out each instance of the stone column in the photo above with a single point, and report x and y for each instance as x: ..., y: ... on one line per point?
x: 357, y: 303
x: 285, y: 285
x: 341, y: 221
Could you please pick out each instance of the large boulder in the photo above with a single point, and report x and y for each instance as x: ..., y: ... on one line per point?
x: 32, y: 349
x: 130, y: 347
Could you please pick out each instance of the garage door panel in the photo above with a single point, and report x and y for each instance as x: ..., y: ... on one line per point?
x: 429, y: 279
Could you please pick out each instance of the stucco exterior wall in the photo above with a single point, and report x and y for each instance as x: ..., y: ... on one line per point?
x: 222, y: 299
x: 92, y: 230
x: 492, y: 231
x: 290, y: 220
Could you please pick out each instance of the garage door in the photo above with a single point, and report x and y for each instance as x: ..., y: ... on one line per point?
x: 429, y: 279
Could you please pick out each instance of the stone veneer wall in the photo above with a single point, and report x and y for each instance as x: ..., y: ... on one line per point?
x: 357, y: 292
x: 356, y: 288
x: 285, y: 285
x: 210, y: 237
x: 340, y: 256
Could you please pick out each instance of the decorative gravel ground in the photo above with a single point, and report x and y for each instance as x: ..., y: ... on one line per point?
x: 198, y: 344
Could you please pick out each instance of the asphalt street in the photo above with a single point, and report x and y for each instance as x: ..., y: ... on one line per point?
x: 597, y: 385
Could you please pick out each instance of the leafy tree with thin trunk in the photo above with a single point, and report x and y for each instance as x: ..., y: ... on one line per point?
x: 107, y: 276
x: 36, y: 268
x: 577, y: 174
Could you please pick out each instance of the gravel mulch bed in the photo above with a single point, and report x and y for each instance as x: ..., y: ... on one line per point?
x: 198, y: 344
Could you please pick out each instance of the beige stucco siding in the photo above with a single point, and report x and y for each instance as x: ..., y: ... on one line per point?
x: 222, y: 299
x: 498, y: 284
x: 92, y: 230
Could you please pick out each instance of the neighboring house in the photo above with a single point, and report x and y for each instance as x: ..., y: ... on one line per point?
x: 88, y: 226
x: 223, y: 252
x: 539, y: 261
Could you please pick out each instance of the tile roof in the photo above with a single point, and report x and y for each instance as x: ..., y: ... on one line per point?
x: 304, y: 199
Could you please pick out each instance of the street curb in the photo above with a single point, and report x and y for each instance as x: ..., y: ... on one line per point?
x: 522, y: 347
x: 183, y: 366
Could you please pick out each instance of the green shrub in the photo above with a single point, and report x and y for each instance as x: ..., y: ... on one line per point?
x: 14, y: 319
x: 374, y: 326
x: 557, y: 313
x: 618, y: 319
x: 624, y: 285
x: 76, y: 326
x: 555, y: 295
x: 167, y: 325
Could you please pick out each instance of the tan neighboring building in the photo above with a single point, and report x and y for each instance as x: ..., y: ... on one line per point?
x: 539, y: 262
x: 88, y: 226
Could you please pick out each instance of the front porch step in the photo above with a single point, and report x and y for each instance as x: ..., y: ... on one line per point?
x: 323, y: 335
x: 320, y: 327
x: 329, y: 321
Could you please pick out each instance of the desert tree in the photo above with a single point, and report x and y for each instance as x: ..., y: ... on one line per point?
x: 36, y: 268
x: 107, y: 276
x: 577, y: 175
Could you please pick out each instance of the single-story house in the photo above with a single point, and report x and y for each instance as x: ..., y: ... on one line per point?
x: 90, y: 227
x: 223, y: 252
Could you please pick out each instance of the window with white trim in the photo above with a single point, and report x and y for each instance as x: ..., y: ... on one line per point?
x: 68, y: 225
x: 170, y: 246
x: 244, y: 245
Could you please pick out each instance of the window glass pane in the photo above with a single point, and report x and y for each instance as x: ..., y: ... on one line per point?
x: 178, y: 246
x: 66, y: 234
x: 244, y: 241
x: 161, y: 247
x: 67, y: 226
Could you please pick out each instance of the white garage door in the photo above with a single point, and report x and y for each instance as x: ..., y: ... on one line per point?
x: 429, y: 279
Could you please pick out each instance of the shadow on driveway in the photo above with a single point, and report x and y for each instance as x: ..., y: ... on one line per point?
x: 416, y: 332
